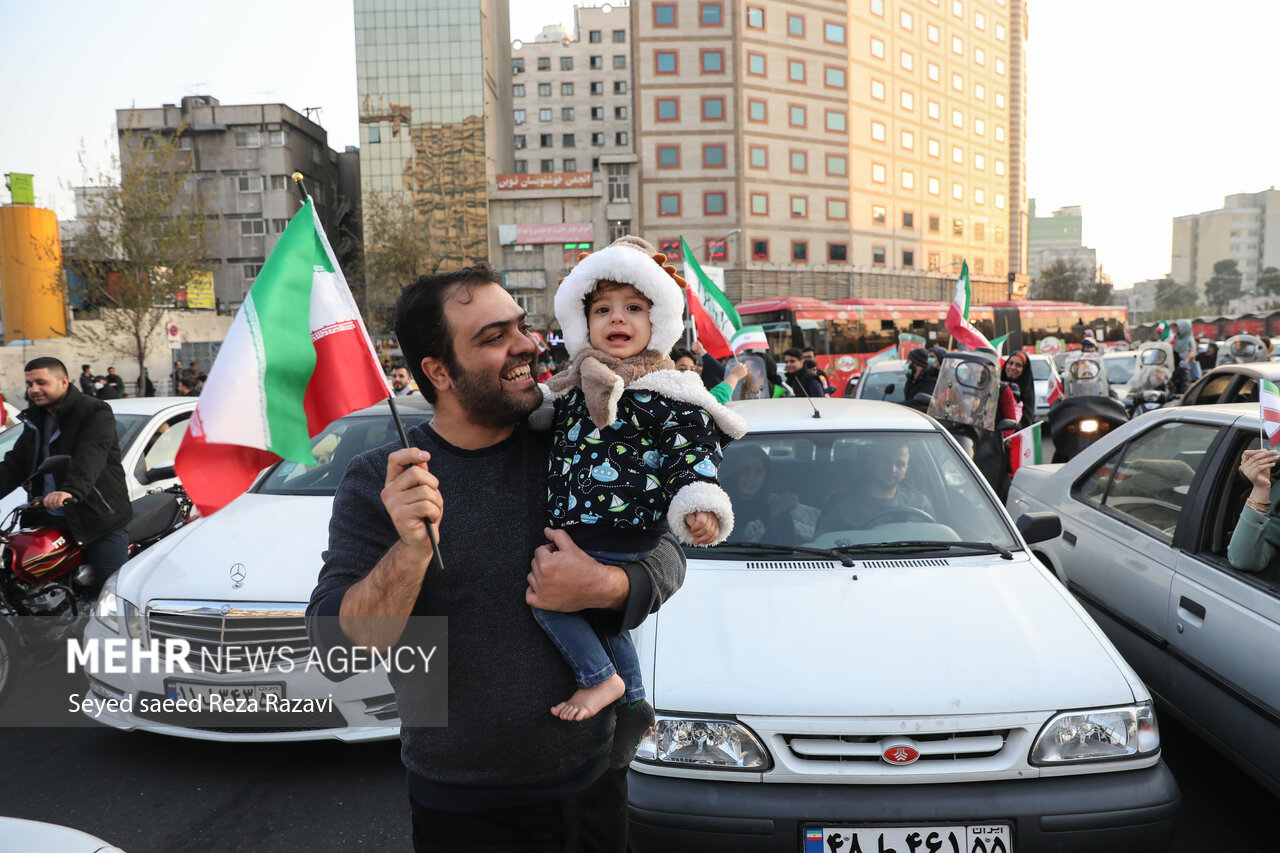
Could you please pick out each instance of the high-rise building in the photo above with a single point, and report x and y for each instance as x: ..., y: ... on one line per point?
x: 1059, y: 236
x: 243, y: 156
x: 435, y: 114
x: 862, y: 149
x: 1246, y: 229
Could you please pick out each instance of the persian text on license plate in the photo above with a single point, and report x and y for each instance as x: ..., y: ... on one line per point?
x: 223, y: 696
x: 985, y: 838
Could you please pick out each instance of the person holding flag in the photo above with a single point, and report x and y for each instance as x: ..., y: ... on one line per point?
x: 1255, y: 542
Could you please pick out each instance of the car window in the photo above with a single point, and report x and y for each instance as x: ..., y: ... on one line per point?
x: 1150, y: 484
x: 1246, y: 391
x: 888, y: 385
x: 1120, y: 370
x: 127, y: 429
x: 163, y: 444
x: 1039, y: 369
x: 846, y: 488
x: 1229, y: 495
x: 1211, y: 389
x: 334, y: 448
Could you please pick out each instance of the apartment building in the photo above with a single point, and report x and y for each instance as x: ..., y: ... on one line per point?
x: 850, y: 149
x: 1059, y: 236
x: 1238, y: 231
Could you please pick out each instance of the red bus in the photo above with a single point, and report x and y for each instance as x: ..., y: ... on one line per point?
x: 844, y: 333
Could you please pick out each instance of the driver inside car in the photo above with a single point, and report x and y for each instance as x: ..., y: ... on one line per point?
x: 884, y: 498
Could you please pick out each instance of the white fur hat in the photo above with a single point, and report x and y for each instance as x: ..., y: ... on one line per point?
x: 629, y: 260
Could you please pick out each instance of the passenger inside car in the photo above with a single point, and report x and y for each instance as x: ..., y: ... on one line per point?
x: 760, y: 513
x: 882, y: 495
x: 1255, y: 541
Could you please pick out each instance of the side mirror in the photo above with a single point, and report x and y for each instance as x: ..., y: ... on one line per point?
x: 55, y: 465
x: 1006, y: 424
x: 162, y: 471
x: 1039, y: 526
x: 888, y: 391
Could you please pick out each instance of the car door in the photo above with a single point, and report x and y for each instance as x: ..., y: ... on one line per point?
x: 1225, y: 639
x: 1118, y: 544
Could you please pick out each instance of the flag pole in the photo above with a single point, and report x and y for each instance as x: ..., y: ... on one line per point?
x: 302, y: 190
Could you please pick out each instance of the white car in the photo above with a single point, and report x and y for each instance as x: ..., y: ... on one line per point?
x: 1042, y: 368
x: 860, y: 673
x: 149, y: 429
x: 885, y: 380
x: 19, y: 834
x: 235, y: 587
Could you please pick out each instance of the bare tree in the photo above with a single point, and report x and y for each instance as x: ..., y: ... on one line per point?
x: 143, y: 240
x: 397, y: 249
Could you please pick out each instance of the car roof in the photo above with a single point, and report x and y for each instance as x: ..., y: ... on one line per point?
x: 412, y: 403
x: 148, y: 405
x: 795, y: 414
x: 886, y: 365
x: 1264, y: 369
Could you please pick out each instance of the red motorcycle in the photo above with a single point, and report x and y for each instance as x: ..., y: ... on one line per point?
x: 45, y: 595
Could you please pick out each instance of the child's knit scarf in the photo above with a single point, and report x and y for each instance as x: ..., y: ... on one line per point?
x: 603, y: 377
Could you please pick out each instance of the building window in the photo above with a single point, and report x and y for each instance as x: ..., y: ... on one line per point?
x: 566, y: 113
x: 957, y: 81
x: 877, y: 90
x: 620, y: 112
x: 544, y: 90
x: 999, y: 133
x: 755, y: 18
x: 713, y: 156
x: 799, y: 162
x: 797, y: 115
x: 935, y: 260
x: 978, y: 265
x: 517, y: 66
x: 668, y: 204
x: 570, y: 164
x: 593, y: 37
x: 546, y: 140
x: 544, y: 114
x: 837, y: 253
x: 979, y: 195
x: 908, y: 140
x: 597, y: 87
x: 250, y: 271
x: 279, y: 182
x: 664, y: 14
x: 547, y: 166
x: 278, y: 225
x: 934, y: 225
x: 520, y: 141
x: 667, y: 109
x: 710, y: 14
x: 756, y: 111
x: 957, y: 191
x: 979, y: 56
x: 957, y: 227
x: 712, y: 109
x: 932, y: 33
x: 522, y: 167
x: 979, y: 161
x: 877, y: 8
x: 999, y: 100
x: 249, y: 184
x: 908, y: 219
x: 620, y: 61
x: 835, y: 121
x: 755, y: 64
x: 957, y: 45
x: 597, y: 113
x: 799, y: 251
x: 252, y: 227
x: 248, y: 139
x: 759, y: 250
x: 934, y: 72
x: 837, y: 208
x: 799, y: 207
x: 906, y: 60
x: 877, y: 131
x: 664, y: 62
x: 907, y: 100
x: 566, y: 88
x: 979, y: 91
x: 935, y: 186
x: 833, y: 33
x: 979, y: 231
x: 597, y: 139
x: 979, y: 127
x: 877, y: 255
x: 877, y: 48
x: 999, y: 236
x: 619, y: 181
x: 668, y: 156
x: 544, y: 63
x: 795, y: 26
x: 1000, y: 66
x: 878, y: 214
x: 957, y: 154
x: 1000, y: 167
x: 519, y: 116
x: 877, y: 173
x: 714, y: 204
x: 595, y: 63
x: 517, y: 90
x: 934, y: 111
x: 566, y: 140
x: 837, y: 164
x: 759, y: 204
x: 908, y: 179
x: 795, y: 70
x: 566, y: 63
x: 712, y: 61
x: 620, y: 138
x: 908, y: 258
x: 834, y: 77
x: 957, y: 119
x: 904, y: 20
x: 759, y: 157
x: 619, y: 87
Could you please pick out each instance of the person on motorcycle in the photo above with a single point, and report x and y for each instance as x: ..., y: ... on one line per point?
x: 90, y: 499
x: 1017, y: 371
x: 924, y: 377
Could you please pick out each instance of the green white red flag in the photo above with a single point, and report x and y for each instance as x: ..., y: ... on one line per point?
x: 714, y: 316
x: 1024, y: 447
x: 1055, y: 388
x: 957, y: 321
x: 748, y: 337
x: 297, y: 358
x: 1269, y: 400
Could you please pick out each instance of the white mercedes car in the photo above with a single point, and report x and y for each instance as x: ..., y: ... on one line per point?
x: 875, y: 661
x: 234, y: 587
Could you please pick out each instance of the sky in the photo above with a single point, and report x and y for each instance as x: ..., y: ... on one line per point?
x: 1137, y: 111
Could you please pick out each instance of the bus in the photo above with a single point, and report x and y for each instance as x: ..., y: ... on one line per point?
x: 846, y: 332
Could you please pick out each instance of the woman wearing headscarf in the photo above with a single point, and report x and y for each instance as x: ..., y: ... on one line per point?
x: 758, y: 515
x: 1017, y: 372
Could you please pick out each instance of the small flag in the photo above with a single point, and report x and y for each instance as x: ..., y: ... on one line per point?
x: 1024, y: 448
x: 1164, y: 329
x: 1269, y: 399
x: 538, y: 339
x: 957, y: 321
x: 1055, y: 388
x: 297, y: 358
x: 748, y: 337
x: 714, y: 316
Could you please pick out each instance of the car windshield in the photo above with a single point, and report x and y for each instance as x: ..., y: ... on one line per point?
x: 888, y: 385
x: 128, y: 427
x: 882, y: 492
x: 334, y: 449
x: 1120, y: 370
x: 1040, y: 369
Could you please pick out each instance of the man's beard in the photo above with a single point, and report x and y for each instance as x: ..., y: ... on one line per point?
x: 487, y: 403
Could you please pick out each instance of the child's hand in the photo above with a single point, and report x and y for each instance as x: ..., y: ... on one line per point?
x: 704, y: 526
x: 736, y: 373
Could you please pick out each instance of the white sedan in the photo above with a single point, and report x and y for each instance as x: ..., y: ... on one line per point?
x: 876, y: 661
x: 234, y: 587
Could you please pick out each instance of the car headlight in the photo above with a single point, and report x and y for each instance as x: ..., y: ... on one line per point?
x: 1099, y: 735
x: 709, y: 743
x: 111, y: 607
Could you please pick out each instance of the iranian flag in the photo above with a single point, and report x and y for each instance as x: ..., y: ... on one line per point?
x: 713, y: 314
x: 1269, y: 398
x: 1055, y: 388
x: 297, y: 358
x: 748, y: 337
x: 957, y: 321
x: 1024, y: 448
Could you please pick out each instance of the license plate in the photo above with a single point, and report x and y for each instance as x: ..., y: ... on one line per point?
x: 224, y: 697
x: 984, y: 838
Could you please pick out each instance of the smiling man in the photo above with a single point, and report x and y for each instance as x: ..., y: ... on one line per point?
x: 504, y: 773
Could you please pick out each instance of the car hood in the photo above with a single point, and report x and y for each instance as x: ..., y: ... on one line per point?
x: 970, y: 637
x: 277, y: 539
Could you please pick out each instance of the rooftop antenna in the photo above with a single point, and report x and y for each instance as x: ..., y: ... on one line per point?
x: 308, y: 112
x: 195, y: 88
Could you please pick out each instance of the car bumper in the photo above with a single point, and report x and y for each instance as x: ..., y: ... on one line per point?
x: 1121, y: 811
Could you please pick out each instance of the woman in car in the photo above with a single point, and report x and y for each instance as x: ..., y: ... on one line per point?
x: 758, y: 515
x: 1255, y: 543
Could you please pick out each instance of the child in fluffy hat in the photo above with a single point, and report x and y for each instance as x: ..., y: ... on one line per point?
x: 636, y: 446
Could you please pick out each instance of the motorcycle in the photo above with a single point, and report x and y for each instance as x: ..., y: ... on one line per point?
x: 1242, y: 349
x: 45, y: 584
x: 1155, y: 373
x: 1087, y: 411
x: 965, y: 401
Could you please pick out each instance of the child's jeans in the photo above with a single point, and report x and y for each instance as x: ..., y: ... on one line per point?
x: 595, y: 658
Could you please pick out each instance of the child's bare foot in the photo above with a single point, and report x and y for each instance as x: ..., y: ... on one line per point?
x: 589, y: 701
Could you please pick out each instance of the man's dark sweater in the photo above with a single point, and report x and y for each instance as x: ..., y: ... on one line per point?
x: 502, y: 746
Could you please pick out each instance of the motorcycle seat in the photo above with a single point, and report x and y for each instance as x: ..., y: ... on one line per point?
x: 152, y: 515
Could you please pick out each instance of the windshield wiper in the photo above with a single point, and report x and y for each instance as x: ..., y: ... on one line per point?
x: 889, y: 547
x: 788, y: 549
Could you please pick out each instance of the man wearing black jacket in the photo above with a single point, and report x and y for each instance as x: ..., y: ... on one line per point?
x: 89, y: 499
x: 799, y: 379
